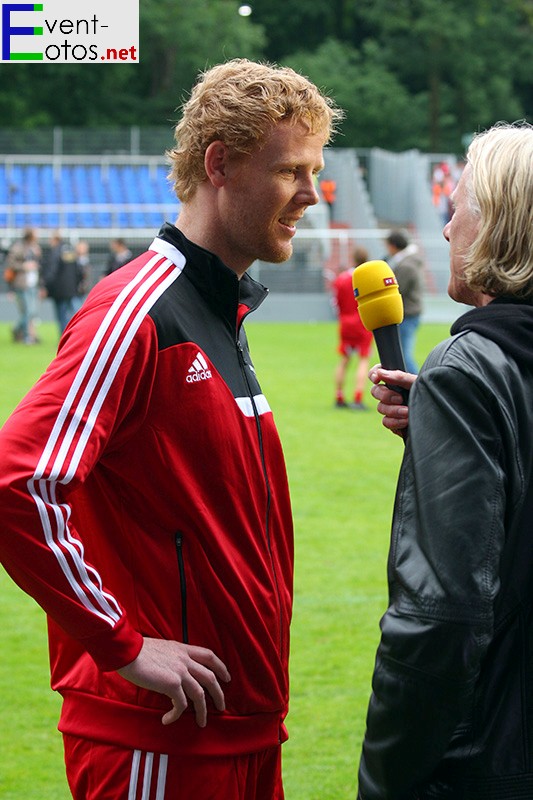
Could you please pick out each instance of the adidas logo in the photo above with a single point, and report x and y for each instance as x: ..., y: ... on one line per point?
x: 199, y: 370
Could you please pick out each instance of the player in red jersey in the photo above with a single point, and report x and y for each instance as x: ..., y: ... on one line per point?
x: 353, y: 336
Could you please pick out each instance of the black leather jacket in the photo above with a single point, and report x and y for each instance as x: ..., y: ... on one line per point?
x: 451, y: 713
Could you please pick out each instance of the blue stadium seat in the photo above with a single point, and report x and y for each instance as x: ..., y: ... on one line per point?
x: 117, y: 185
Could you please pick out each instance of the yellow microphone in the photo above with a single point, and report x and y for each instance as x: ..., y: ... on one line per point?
x: 381, y: 310
x: 376, y: 290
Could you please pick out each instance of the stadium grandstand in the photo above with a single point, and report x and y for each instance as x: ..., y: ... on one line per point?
x: 100, y: 184
x: 92, y: 184
x: 125, y: 193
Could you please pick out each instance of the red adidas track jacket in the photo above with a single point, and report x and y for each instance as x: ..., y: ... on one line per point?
x: 143, y: 492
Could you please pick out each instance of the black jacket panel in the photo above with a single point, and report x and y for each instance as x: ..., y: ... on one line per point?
x: 451, y: 711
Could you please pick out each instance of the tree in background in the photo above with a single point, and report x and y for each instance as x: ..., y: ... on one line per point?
x: 176, y: 42
x: 467, y: 57
x: 179, y: 40
x: 380, y: 112
x: 459, y: 66
x: 410, y: 73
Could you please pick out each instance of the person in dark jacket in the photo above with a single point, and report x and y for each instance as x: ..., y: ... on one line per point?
x: 451, y: 712
x: 23, y: 263
x: 119, y: 254
x: 408, y: 266
x: 63, y: 274
x: 143, y: 491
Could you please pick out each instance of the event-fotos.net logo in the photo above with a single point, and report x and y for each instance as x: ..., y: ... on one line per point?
x: 70, y: 32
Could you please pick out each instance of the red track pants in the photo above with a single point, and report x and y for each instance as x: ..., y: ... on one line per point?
x: 97, y: 771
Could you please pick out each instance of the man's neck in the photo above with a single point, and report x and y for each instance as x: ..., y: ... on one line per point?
x: 195, y: 222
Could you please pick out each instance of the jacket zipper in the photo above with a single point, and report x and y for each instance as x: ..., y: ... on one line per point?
x: 242, y: 362
x: 183, y: 587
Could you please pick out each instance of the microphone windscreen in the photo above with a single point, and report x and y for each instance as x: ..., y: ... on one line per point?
x: 376, y: 290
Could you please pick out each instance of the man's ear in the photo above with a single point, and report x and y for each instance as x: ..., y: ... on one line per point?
x: 215, y: 163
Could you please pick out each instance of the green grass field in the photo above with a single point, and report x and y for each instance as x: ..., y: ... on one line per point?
x: 342, y: 468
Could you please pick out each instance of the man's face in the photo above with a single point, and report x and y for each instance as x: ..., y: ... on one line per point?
x: 460, y: 232
x: 266, y: 193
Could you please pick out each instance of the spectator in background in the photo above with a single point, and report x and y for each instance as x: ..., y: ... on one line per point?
x: 119, y: 254
x: 408, y: 267
x: 62, y: 277
x: 443, y: 184
x: 353, y: 336
x: 328, y: 189
x: 84, y: 268
x: 23, y: 262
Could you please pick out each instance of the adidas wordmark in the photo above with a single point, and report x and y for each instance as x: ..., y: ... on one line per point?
x: 199, y: 370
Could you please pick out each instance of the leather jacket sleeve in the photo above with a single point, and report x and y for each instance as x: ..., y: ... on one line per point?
x: 447, y: 536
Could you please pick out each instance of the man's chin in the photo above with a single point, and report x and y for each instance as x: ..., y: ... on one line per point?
x: 278, y: 256
x: 462, y: 295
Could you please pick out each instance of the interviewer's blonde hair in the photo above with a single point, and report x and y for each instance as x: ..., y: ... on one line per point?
x: 500, y: 260
x: 239, y: 102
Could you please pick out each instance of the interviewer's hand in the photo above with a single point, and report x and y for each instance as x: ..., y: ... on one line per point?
x: 391, y: 404
x: 180, y: 671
